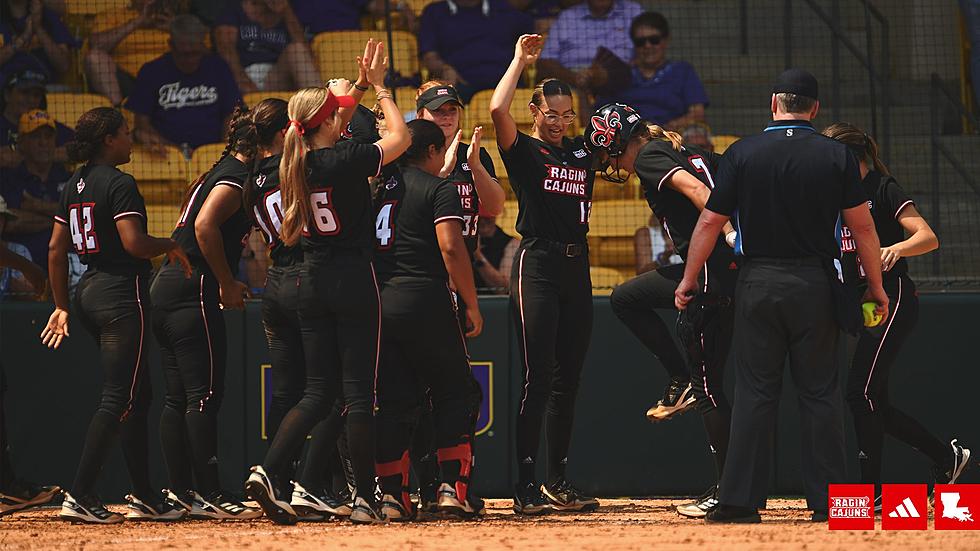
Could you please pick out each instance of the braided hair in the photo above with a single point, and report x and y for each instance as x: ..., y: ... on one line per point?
x: 269, y: 118
x: 241, y: 138
x: 90, y: 133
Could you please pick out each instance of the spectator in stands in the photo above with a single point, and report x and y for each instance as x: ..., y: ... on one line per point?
x: 698, y: 134
x: 666, y: 92
x: 469, y: 43
x: 33, y: 188
x: 127, y: 28
x: 265, y: 46
x: 33, y: 37
x: 971, y: 18
x: 321, y: 16
x: 18, y: 274
x: 578, y: 33
x: 186, y: 95
x: 653, y: 247
x: 23, y: 92
x: 544, y: 12
x: 493, y: 257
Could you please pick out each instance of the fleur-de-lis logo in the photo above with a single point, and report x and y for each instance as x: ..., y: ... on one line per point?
x: 80, y: 185
x: 605, y: 128
x: 260, y: 180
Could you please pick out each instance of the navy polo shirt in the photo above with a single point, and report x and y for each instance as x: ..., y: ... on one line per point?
x: 478, y: 46
x: 666, y: 95
x: 785, y: 189
x: 13, y: 183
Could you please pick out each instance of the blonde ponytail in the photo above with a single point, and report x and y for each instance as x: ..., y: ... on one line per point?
x: 658, y: 133
x: 292, y: 169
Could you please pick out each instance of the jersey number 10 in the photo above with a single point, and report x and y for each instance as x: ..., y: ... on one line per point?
x: 81, y: 224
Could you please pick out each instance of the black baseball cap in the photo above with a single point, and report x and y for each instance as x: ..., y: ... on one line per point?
x: 436, y: 97
x: 796, y: 81
x: 27, y: 78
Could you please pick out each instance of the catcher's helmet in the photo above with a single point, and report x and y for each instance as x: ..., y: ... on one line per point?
x: 610, y: 128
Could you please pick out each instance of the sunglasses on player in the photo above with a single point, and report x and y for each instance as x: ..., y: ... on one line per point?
x: 652, y: 40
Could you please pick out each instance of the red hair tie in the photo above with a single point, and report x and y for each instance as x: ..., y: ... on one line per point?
x: 298, y: 125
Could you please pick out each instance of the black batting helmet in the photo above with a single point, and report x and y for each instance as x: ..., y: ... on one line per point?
x: 611, y: 127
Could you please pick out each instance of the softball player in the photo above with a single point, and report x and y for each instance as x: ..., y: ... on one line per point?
x: 551, y: 289
x: 102, y: 215
x: 191, y: 328
x: 327, y: 202
x: 676, y: 180
x: 903, y: 232
x: 420, y: 247
x: 471, y: 170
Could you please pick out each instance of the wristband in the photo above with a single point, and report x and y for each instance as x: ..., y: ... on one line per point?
x: 361, y: 88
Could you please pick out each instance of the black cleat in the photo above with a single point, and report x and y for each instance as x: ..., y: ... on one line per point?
x: 528, y: 500
x: 564, y: 497
x: 678, y: 398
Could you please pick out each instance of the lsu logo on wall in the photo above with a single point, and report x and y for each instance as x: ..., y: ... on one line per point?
x: 482, y: 371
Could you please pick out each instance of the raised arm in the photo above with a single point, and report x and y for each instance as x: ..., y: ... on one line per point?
x: 396, y: 142
x: 526, y: 52
x: 492, y: 196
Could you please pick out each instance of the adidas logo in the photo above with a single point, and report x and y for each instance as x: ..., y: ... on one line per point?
x: 905, y: 509
x: 862, y: 455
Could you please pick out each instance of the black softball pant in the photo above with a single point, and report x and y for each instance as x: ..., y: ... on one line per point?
x: 190, y: 328
x: 280, y: 319
x: 877, y: 350
x: 115, y: 310
x: 423, y: 351
x: 551, y: 302
x: 340, y: 324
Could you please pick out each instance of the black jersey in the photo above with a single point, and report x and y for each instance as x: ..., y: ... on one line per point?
x: 406, y: 225
x: 655, y: 164
x: 553, y: 187
x: 462, y: 177
x: 343, y: 213
x: 228, y: 172
x: 887, y: 200
x: 267, y: 211
x: 93, y: 199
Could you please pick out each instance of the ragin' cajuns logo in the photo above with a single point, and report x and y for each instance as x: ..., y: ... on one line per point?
x: 605, y: 128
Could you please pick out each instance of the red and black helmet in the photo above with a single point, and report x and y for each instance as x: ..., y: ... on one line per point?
x: 611, y: 127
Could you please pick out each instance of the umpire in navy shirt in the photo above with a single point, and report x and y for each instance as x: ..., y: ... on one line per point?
x: 786, y: 189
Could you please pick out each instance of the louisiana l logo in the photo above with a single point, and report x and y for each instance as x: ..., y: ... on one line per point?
x: 605, y: 128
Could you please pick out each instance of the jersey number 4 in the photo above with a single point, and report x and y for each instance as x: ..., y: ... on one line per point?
x: 384, y: 226
x: 81, y: 224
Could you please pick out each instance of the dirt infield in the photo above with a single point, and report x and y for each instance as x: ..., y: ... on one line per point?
x: 620, y: 524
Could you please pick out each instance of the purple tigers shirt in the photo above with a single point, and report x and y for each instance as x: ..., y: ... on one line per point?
x: 186, y: 108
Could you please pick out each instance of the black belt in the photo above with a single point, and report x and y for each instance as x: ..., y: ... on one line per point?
x: 815, y: 261
x: 569, y: 250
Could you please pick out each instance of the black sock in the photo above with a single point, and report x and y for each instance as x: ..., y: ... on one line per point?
x: 559, y: 430
x: 360, y: 437
x: 176, y: 449
x: 321, y: 456
x: 870, y: 437
x: 526, y: 472
x: 202, y: 432
x: 290, y: 437
x: 717, y: 425
x: 102, y: 432
x: 910, y: 431
x: 6, y: 465
x: 134, y: 438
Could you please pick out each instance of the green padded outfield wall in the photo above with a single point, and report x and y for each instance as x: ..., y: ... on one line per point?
x: 52, y: 394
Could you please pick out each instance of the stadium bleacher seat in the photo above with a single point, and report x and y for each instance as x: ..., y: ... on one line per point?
x: 252, y: 98
x: 605, y: 190
x: 722, y: 142
x: 605, y: 278
x: 618, y: 218
x: 161, y: 219
x: 203, y: 158
x: 335, y: 52
x: 508, y: 219
x: 67, y: 108
x: 90, y: 7
x: 161, y: 179
x: 478, y: 112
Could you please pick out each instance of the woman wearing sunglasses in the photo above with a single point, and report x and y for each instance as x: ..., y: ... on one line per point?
x: 665, y: 92
x: 551, y: 291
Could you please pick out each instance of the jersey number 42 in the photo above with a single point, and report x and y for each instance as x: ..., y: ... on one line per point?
x: 81, y: 224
